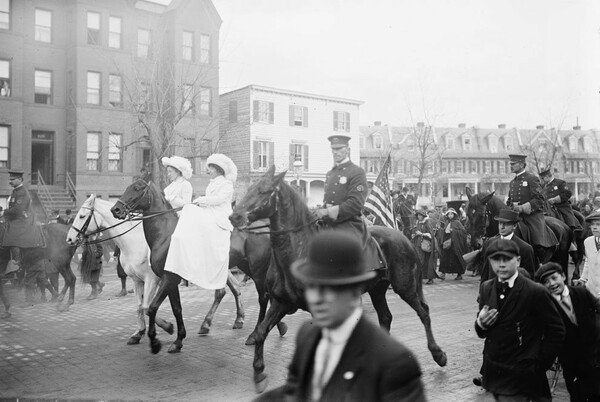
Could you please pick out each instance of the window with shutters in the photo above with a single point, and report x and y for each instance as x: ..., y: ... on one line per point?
x: 4, y: 148
x: 4, y: 14
x: 458, y: 166
x: 5, y: 83
x: 93, y: 151
x: 299, y: 151
x: 263, y: 154
x: 263, y: 111
x: 341, y: 121
x: 233, y: 111
x: 43, y: 25
x: 93, y: 28
x: 115, y: 153
x: 114, y: 32
x: 298, y: 116
x: 43, y: 87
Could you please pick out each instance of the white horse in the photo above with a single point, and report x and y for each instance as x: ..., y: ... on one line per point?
x: 94, y: 216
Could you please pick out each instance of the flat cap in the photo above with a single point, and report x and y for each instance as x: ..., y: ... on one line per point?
x: 594, y: 216
x: 547, y: 269
x: 503, y: 247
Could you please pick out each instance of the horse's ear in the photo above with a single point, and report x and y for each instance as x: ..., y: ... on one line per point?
x: 277, y: 179
x: 488, y: 197
x: 468, y: 192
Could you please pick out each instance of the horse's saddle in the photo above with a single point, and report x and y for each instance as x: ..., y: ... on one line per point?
x: 22, y: 234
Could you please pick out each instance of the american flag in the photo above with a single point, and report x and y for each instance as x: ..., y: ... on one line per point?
x: 379, y: 201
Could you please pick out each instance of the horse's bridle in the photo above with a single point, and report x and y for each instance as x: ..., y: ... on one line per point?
x: 130, y: 208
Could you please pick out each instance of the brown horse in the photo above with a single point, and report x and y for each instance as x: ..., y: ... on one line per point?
x: 58, y: 252
x: 482, y: 209
x: 291, y: 229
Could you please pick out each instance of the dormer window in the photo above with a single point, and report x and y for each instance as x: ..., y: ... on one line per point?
x: 377, y: 142
x: 572, y: 144
x: 410, y: 147
x: 493, y: 143
x: 467, y: 143
x: 587, y: 144
x: 449, y: 141
x: 508, y: 143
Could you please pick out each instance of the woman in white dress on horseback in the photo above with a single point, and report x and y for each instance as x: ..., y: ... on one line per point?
x: 199, y: 249
x: 179, y: 171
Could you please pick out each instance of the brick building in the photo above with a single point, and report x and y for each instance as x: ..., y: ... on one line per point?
x: 462, y: 156
x: 80, y: 79
x: 262, y: 126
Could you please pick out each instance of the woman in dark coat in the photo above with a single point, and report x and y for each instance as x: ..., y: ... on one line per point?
x: 453, y: 241
x: 424, y: 233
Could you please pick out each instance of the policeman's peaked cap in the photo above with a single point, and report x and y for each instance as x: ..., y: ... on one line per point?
x: 15, y: 173
x: 547, y: 172
x: 339, y: 140
x: 517, y: 158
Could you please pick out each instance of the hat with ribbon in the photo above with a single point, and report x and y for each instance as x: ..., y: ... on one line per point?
x: 335, y: 258
x: 225, y: 163
x: 179, y: 163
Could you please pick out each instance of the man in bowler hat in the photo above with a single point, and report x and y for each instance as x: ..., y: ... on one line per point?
x: 579, y: 355
x: 344, y: 198
x: 526, y: 197
x: 341, y: 355
x: 522, y: 328
x: 507, y: 223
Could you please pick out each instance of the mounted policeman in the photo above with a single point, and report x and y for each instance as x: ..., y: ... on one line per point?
x: 20, y: 229
x: 525, y: 197
x: 344, y: 198
x: 557, y: 195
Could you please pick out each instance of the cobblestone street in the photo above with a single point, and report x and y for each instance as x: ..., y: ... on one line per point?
x: 82, y: 353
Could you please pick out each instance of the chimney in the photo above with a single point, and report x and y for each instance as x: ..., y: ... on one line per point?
x: 503, y: 126
x: 377, y: 124
x: 420, y: 124
x: 577, y: 127
x: 540, y: 127
x: 462, y: 125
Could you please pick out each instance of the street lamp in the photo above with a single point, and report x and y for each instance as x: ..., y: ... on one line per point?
x: 298, y: 165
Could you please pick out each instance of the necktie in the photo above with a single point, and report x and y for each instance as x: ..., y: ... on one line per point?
x: 321, y: 363
x: 566, y: 305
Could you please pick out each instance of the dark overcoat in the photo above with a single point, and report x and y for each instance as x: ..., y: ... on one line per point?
x: 558, y: 187
x: 373, y: 367
x: 525, y: 188
x: 528, y: 259
x: 523, y: 342
x: 21, y: 230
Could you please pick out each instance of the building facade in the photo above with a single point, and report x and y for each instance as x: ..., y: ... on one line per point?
x: 85, y: 85
x: 448, y: 159
x: 262, y: 126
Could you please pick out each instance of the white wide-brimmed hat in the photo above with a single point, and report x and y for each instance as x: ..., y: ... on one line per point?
x: 179, y: 163
x: 450, y: 210
x: 224, y: 163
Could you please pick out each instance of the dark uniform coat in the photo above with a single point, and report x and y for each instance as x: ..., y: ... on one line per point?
x: 558, y: 188
x: 346, y: 186
x: 523, y: 189
x: 373, y: 367
x: 523, y: 342
x: 579, y: 357
x: 21, y: 229
x: 529, y: 261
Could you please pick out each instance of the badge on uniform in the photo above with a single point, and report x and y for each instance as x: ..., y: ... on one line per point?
x: 556, y: 187
x: 19, y: 201
x: 343, y: 180
x: 524, y: 184
x: 360, y: 188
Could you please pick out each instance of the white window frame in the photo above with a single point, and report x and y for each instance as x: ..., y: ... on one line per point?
x: 115, y: 152
x: 450, y: 142
x: 572, y: 144
x: 93, y: 28
x: 264, y: 114
x: 43, y: 29
x: 115, y: 90
x: 205, y: 48
x: 4, y: 145
x: 93, y: 91
x: 42, y: 86
x: 341, y: 121
x: 377, y: 142
x: 263, y: 154
x: 467, y: 143
x: 587, y: 144
x: 5, y: 81
x: 508, y: 143
x: 144, y: 43
x: 5, y: 14
x: 493, y: 143
x: 115, y: 30
x: 187, y: 45
x: 205, y: 101
x: 298, y: 117
x: 94, y: 139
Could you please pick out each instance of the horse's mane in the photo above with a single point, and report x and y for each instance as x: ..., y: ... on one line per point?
x: 292, y: 201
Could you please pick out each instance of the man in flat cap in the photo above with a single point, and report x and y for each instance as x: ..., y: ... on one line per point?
x: 507, y: 223
x: 525, y: 196
x: 579, y: 355
x: 20, y: 232
x: 344, y: 198
x: 340, y: 355
x: 558, y: 195
x: 522, y: 328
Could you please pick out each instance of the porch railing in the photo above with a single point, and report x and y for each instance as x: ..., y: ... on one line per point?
x: 70, y: 186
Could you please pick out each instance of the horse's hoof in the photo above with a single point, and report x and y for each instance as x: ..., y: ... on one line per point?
x: 170, y: 329
x: 203, y: 331
x: 441, y: 359
x: 155, y: 346
x: 260, y: 383
x: 251, y: 340
x: 175, y: 348
x: 134, y: 340
x: 282, y: 327
x: 238, y: 325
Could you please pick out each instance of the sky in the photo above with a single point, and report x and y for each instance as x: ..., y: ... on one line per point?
x: 521, y: 63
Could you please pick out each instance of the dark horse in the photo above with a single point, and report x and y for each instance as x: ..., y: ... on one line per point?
x: 482, y: 209
x: 579, y: 237
x: 57, y: 251
x: 291, y: 229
